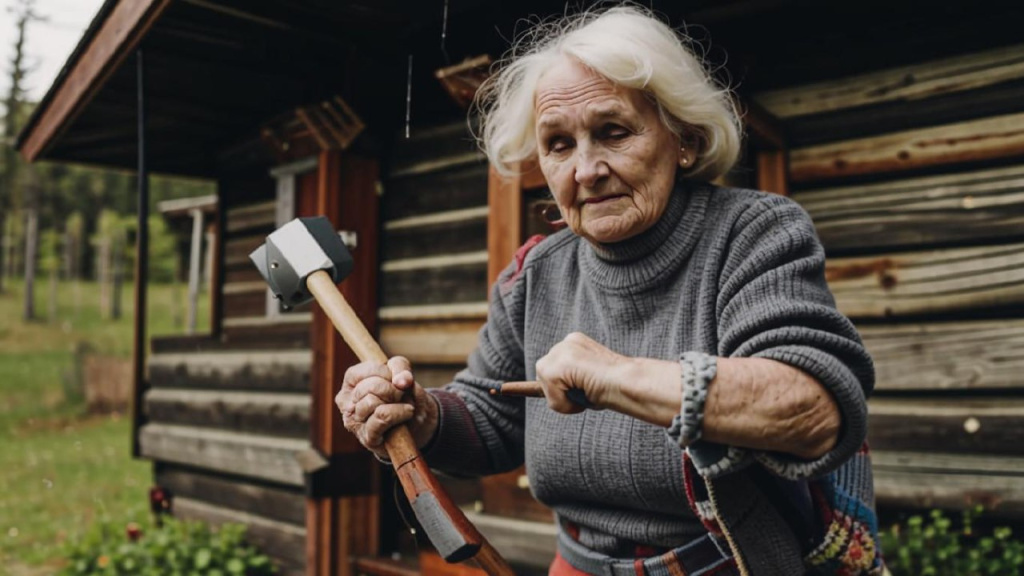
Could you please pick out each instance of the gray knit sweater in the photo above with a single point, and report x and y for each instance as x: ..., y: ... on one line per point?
x: 725, y: 271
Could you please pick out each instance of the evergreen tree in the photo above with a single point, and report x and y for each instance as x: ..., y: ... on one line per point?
x: 24, y: 14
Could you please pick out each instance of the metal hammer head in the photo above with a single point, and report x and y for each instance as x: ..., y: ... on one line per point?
x: 296, y: 250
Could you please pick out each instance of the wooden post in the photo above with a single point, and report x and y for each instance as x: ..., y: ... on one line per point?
x: 504, y: 221
x: 341, y: 528
x: 772, y: 171
x: 216, y: 284
x: 768, y: 141
x: 194, y: 265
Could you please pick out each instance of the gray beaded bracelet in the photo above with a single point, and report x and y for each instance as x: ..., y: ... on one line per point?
x: 699, y: 370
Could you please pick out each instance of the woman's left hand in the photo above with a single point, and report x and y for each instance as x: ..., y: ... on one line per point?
x: 579, y: 362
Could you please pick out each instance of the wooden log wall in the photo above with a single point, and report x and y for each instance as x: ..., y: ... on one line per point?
x: 434, y: 251
x: 227, y: 415
x: 915, y: 182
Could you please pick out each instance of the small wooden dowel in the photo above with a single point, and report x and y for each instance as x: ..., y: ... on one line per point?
x: 529, y: 389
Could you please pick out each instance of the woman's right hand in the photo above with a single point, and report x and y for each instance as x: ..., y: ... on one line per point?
x: 376, y: 397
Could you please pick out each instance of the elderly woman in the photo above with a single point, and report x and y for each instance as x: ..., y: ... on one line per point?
x: 701, y: 387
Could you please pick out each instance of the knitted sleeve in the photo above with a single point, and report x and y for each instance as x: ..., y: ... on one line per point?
x: 479, y: 433
x: 774, y: 303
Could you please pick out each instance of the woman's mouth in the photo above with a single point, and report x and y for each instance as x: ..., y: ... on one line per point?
x: 600, y: 199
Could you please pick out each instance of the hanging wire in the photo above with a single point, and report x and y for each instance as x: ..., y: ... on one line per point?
x: 400, y: 504
x: 408, y: 99
x: 444, y: 35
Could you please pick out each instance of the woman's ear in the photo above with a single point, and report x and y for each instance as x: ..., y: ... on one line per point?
x: 689, y: 144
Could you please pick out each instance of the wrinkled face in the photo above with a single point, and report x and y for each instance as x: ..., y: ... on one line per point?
x: 609, y: 160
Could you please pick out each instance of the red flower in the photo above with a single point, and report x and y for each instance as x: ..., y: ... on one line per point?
x: 133, y: 531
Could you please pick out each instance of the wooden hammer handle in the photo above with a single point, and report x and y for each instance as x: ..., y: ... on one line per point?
x: 437, y: 514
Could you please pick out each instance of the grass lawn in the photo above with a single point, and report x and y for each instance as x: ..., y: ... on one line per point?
x: 60, y: 468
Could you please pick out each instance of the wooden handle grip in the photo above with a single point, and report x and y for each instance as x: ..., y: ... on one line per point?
x: 434, y: 508
x: 528, y: 389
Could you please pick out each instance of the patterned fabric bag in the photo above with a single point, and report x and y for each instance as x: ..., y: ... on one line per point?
x: 833, y: 512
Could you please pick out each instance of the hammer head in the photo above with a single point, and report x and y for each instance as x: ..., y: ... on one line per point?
x: 296, y: 250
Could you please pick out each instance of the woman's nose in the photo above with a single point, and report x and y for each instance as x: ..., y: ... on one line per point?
x: 591, y: 166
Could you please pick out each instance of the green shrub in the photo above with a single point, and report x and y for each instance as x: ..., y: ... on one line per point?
x: 933, y: 546
x: 176, y: 548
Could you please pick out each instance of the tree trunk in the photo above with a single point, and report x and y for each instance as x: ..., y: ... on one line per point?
x: 6, y: 271
x: 103, y: 276
x: 31, y: 247
x: 3, y: 251
x: 52, y: 308
x: 117, y: 258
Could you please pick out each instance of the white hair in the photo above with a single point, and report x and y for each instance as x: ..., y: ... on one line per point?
x: 629, y: 46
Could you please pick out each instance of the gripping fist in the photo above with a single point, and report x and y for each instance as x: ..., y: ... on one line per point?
x: 579, y: 364
x: 375, y: 398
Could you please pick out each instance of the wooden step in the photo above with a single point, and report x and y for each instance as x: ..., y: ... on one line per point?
x: 376, y: 566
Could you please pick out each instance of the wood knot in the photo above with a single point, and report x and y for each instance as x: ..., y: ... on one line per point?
x: 887, y: 280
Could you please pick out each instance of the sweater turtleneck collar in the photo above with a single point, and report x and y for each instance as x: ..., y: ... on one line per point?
x: 642, y: 261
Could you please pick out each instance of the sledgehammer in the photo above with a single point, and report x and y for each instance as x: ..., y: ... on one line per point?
x: 304, y: 260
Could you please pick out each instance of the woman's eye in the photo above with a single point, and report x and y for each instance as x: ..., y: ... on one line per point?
x: 558, y: 144
x: 614, y: 132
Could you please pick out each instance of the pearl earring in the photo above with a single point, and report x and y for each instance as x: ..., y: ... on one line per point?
x: 684, y: 160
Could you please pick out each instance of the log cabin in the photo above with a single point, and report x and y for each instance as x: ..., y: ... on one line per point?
x: 899, y: 129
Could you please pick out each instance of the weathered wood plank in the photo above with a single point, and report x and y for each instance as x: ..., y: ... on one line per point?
x: 437, y: 218
x: 237, y: 249
x: 280, y: 504
x: 940, y: 281
x: 435, y: 375
x: 947, y: 355
x: 916, y: 82
x: 283, y: 415
x: 296, y: 317
x: 261, y: 457
x: 463, y: 311
x: 286, y: 332
x: 384, y: 567
x: 439, y: 285
x: 253, y: 216
x: 245, y: 304
x: 867, y: 121
x: 948, y: 463
x: 244, y: 273
x: 522, y: 543
x: 468, y: 235
x: 262, y: 370
x: 975, y: 140
x: 952, y: 425
x: 435, y: 261
x: 248, y: 287
x: 431, y: 342
x: 453, y: 189
x: 509, y: 495
x: 980, y: 205
x: 285, y: 543
x: 918, y: 480
x: 433, y: 148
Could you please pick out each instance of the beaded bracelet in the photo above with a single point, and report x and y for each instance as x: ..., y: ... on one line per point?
x: 699, y: 370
